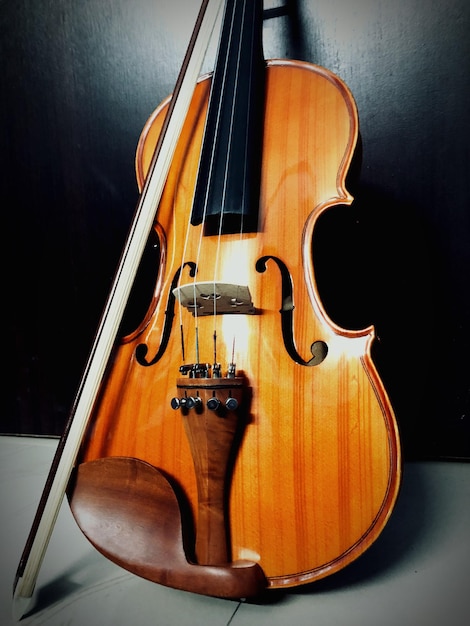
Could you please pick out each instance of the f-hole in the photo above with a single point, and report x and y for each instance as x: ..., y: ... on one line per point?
x: 142, y: 349
x: 318, y: 348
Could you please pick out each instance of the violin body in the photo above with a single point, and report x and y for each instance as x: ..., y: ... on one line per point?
x: 310, y: 469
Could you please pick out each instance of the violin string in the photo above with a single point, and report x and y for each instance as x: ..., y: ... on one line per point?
x: 224, y: 73
x: 189, y: 230
x: 245, y: 160
x: 227, y: 165
x: 216, y: 262
x: 201, y: 227
x: 180, y: 277
x: 231, y: 134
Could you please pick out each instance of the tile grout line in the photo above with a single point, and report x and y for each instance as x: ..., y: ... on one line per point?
x: 233, y: 614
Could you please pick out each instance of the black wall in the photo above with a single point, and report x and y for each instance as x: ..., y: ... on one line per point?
x: 77, y: 83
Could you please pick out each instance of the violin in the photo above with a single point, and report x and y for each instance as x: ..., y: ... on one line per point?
x: 237, y: 439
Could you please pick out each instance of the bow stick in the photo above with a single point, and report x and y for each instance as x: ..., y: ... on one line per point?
x: 67, y: 450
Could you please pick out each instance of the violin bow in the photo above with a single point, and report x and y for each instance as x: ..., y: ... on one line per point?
x: 69, y: 444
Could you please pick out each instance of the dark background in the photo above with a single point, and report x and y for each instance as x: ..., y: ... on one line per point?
x: 78, y: 81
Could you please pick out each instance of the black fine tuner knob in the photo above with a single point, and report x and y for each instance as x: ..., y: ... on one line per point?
x: 192, y: 401
x: 213, y: 404
x: 231, y: 404
x: 175, y: 403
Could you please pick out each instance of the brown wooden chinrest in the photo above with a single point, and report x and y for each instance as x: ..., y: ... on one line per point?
x: 129, y: 511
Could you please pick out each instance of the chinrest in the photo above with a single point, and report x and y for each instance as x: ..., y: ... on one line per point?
x: 130, y: 512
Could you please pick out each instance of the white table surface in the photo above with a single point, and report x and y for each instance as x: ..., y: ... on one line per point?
x: 416, y: 573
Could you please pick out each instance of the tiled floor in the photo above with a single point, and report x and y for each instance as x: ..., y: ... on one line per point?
x: 417, y: 573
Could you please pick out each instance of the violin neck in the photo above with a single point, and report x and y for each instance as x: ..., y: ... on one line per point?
x: 227, y: 187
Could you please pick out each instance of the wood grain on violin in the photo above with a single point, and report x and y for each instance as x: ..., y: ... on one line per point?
x: 316, y: 466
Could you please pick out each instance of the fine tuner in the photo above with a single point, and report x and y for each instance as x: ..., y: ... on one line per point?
x: 203, y: 387
x: 202, y: 370
x: 195, y: 402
